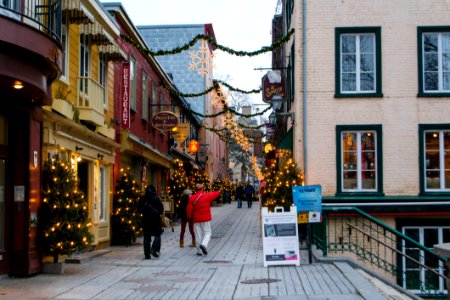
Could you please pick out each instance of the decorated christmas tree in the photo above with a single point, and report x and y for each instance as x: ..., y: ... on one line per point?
x: 63, y: 213
x: 201, y: 177
x: 126, y: 217
x: 178, y: 183
x: 281, y: 175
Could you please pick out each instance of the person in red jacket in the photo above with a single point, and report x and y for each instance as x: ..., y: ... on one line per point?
x: 199, y: 212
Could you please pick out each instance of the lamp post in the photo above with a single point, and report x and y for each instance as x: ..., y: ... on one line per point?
x: 277, y: 104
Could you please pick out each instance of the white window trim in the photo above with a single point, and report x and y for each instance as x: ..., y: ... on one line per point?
x: 422, y: 255
x: 144, y: 100
x: 358, y: 161
x: 65, y: 75
x: 440, y: 68
x: 133, y: 84
x: 441, y: 161
x: 358, y: 65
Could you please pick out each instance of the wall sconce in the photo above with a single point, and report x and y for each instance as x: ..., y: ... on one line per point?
x: 277, y: 104
x: 78, y: 148
x: 100, y: 156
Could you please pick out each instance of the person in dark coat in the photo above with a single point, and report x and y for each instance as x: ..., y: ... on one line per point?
x: 184, y: 219
x: 249, y: 190
x: 151, y: 222
x: 240, y: 194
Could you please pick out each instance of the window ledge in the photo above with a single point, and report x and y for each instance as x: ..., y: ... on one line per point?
x: 359, y: 95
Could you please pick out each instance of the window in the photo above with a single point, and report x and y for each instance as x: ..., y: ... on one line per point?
x: 102, y: 193
x: 434, y: 61
x: 358, y: 62
x: 435, y: 158
x: 359, y: 159
x: 413, y: 274
x: 85, y: 57
x: 161, y: 102
x: 65, y: 49
x: 144, y: 96
x: 132, y: 83
x: 102, y: 77
x: 154, y: 99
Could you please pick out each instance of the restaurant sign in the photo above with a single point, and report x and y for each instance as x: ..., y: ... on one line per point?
x: 272, y: 84
x: 165, y: 120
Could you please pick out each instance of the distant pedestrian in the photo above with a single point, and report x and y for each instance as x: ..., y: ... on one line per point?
x: 249, y: 190
x: 199, y: 211
x: 184, y: 219
x: 240, y: 194
x: 151, y: 221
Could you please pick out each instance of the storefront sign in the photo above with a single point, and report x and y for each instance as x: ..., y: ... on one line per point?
x: 308, y: 200
x: 165, y: 120
x: 181, y: 133
x: 280, y: 237
x: 125, y: 96
x: 272, y: 84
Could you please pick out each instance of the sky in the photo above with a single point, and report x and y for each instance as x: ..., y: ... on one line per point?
x: 243, y: 25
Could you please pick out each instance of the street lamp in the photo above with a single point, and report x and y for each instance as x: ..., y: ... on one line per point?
x: 277, y: 104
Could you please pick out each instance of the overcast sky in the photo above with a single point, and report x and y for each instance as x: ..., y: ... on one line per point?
x: 238, y: 24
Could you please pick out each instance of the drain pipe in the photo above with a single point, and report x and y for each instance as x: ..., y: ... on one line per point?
x: 305, y: 132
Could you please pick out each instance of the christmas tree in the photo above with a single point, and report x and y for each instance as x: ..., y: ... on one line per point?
x: 63, y: 213
x: 203, y: 178
x: 178, y: 183
x: 281, y: 176
x: 126, y: 217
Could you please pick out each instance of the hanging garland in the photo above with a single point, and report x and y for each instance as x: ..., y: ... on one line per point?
x: 278, y: 43
x: 227, y: 109
x: 208, y: 90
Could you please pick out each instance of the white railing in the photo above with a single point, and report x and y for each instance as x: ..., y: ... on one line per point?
x: 90, y: 100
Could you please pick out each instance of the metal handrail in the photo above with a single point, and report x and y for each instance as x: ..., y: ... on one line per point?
x: 377, y: 245
x: 43, y: 15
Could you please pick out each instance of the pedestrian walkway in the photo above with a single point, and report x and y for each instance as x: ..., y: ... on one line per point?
x: 233, y: 269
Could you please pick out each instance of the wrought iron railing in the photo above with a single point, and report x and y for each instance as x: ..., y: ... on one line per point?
x: 351, y: 232
x: 44, y: 15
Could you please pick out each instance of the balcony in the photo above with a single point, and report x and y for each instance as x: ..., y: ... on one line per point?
x: 91, y: 97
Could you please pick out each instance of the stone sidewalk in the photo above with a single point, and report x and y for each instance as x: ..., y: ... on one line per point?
x: 233, y: 269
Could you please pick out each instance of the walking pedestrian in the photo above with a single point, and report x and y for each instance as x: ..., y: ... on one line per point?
x: 240, y: 194
x: 199, y: 211
x: 151, y: 221
x: 249, y: 190
x: 184, y: 219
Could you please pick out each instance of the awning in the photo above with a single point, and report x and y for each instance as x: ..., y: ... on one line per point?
x: 112, y: 52
x: 287, y: 141
x: 76, y: 12
x: 96, y: 34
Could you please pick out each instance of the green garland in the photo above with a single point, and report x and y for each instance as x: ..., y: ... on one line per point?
x: 211, y: 88
x: 213, y: 42
x: 227, y: 109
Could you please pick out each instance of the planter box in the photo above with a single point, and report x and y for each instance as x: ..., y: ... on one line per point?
x: 64, y: 107
x: 53, y: 268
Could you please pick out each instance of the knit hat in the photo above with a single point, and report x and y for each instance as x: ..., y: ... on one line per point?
x: 187, y: 192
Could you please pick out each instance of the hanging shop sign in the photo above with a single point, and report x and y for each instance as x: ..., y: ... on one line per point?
x: 280, y: 237
x: 125, y: 96
x: 181, y: 132
x: 272, y: 84
x: 308, y: 200
x: 165, y: 120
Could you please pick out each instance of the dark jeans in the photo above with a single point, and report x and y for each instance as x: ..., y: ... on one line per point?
x: 239, y: 202
x: 183, y: 230
x: 249, y: 201
x: 155, y: 246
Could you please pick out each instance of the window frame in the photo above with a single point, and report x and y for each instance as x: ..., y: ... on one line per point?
x: 144, y: 96
x: 420, y: 31
x: 103, y: 78
x: 84, y: 65
x: 339, y: 31
x: 422, y: 159
x: 65, y: 48
x: 379, y: 160
x: 133, y: 83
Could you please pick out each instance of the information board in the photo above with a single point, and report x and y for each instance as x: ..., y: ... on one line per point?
x: 308, y: 200
x: 280, y: 237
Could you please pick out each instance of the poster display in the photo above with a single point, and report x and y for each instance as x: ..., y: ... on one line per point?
x: 308, y: 200
x: 280, y: 237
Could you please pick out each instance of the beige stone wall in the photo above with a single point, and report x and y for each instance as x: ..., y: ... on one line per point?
x: 399, y: 111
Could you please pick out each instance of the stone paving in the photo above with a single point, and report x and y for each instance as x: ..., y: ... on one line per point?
x: 233, y: 269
